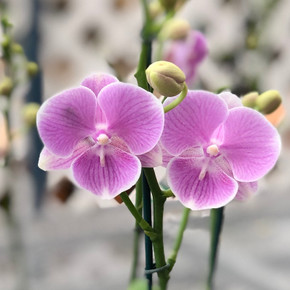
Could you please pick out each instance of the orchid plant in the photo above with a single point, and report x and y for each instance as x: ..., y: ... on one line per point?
x: 112, y: 135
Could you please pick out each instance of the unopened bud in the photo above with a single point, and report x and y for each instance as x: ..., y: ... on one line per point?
x: 155, y: 9
x: 6, y: 86
x: 168, y: 4
x: 268, y: 102
x: 249, y: 100
x: 5, y: 22
x: 175, y: 29
x: 31, y: 68
x: 29, y: 112
x: 6, y: 42
x: 17, y: 48
x: 166, y: 78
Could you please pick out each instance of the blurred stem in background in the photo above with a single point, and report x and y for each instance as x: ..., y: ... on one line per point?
x: 31, y: 47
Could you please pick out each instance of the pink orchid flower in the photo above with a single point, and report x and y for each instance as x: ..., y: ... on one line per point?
x: 188, y: 53
x: 97, y: 129
x: 218, y: 146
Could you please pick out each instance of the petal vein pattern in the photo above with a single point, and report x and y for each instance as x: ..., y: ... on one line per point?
x: 193, y: 122
x: 133, y: 114
x: 238, y: 145
x: 98, y: 136
x: 66, y: 119
x: 251, y: 144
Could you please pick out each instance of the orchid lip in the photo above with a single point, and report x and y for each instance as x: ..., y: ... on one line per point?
x: 212, y: 151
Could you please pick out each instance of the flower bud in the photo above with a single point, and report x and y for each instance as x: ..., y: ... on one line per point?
x: 29, y: 112
x: 155, y: 9
x: 6, y: 42
x: 31, y: 68
x: 166, y: 78
x: 175, y: 29
x: 17, y: 48
x: 168, y: 4
x: 249, y: 100
x: 6, y: 86
x: 268, y: 102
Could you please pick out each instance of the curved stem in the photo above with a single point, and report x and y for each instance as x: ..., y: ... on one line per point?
x: 216, y: 224
x: 158, y: 210
x: 148, y: 218
x: 177, y: 101
x: 148, y: 230
x: 183, y: 223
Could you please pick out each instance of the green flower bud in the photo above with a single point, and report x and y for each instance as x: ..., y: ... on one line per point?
x: 166, y: 78
x: 17, y: 48
x: 155, y: 9
x: 6, y: 86
x: 31, y: 68
x: 6, y: 42
x: 5, y: 22
x: 29, y: 112
x: 168, y: 4
x: 249, y: 100
x: 175, y: 29
x: 268, y: 102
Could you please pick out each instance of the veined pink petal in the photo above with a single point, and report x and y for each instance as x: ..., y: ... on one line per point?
x: 96, y: 82
x: 166, y: 157
x: 152, y: 158
x: 251, y: 144
x: 232, y: 100
x: 188, y: 153
x: 216, y: 189
x: 132, y: 114
x: 106, y: 173
x: 65, y: 119
x: 193, y: 121
x: 49, y: 161
x: 246, y: 189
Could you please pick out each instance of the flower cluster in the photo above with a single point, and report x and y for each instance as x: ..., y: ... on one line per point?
x: 214, y: 148
x: 97, y: 129
x: 220, y: 149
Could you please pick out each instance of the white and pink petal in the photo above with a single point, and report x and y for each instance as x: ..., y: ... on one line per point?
x: 246, y: 190
x: 65, y: 119
x: 96, y: 82
x: 49, y: 161
x: 251, y: 144
x: 153, y: 158
x: 133, y: 114
x: 106, y: 171
x: 214, y: 190
x: 193, y: 121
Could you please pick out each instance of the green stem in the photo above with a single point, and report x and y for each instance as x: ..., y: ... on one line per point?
x: 147, y: 215
x: 177, y: 101
x: 183, y: 223
x: 137, y: 231
x: 158, y: 210
x: 148, y: 230
x: 216, y: 224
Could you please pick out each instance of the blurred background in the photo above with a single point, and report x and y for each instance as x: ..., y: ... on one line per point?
x: 54, y: 235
